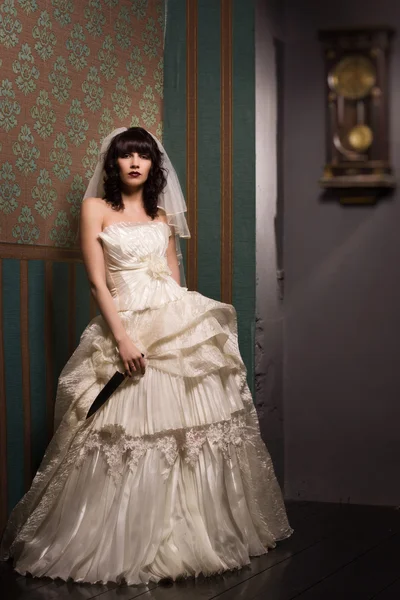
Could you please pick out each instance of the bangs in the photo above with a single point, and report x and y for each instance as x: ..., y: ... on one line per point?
x: 130, y: 141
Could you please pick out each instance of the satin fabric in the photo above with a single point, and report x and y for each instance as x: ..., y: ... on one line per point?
x: 170, y: 478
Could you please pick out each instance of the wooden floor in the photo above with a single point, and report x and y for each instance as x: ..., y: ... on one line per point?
x: 338, y: 552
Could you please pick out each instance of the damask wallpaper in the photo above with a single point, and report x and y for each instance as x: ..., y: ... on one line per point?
x: 70, y: 72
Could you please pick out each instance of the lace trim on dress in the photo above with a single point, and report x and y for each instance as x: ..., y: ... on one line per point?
x: 120, y: 448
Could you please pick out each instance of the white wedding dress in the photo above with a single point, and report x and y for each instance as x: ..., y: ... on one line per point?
x: 170, y: 477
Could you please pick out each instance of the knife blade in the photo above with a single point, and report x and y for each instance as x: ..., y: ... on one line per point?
x: 105, y: 393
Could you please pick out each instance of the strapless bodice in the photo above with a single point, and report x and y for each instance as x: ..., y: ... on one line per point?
x: 137, y: 271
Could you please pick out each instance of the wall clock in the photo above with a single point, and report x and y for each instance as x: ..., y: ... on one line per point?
x: 356, y: 97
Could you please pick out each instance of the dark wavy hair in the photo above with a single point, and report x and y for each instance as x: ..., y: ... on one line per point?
x: 134, y: 139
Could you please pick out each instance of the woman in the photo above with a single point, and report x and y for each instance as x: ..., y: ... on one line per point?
x: 170, y: 477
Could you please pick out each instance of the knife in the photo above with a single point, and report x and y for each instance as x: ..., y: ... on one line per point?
x: 106, y: 392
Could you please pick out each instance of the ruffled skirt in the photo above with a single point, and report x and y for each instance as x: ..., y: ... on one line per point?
x: 170, y: 477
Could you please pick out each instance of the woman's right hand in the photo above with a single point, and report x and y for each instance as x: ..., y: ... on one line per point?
x: 131, y: 357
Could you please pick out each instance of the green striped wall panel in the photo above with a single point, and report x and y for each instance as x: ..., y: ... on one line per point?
x: 36, y: 320
x: 13, y: 383
x: 244, y: 186
x: 60, y: 318
x: 63, y: 315
x: 209, y: 148
x: 209, y: 140
x: 82, y: 299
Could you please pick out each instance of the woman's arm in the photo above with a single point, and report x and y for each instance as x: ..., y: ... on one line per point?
x: 93, y: 258
x: 172, y: 258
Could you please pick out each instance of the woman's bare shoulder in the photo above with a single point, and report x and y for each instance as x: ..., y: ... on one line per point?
x: 93, y: 212
x: 93, y: 205
x: 94, y: 202
x: 161, y: 215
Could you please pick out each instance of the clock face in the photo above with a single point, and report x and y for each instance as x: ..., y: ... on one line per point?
x: 353, y: 77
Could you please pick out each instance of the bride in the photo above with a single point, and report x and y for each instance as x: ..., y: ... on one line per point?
x: 170, y: 478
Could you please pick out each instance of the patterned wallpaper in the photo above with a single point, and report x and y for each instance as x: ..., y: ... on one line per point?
x: 70, y: 72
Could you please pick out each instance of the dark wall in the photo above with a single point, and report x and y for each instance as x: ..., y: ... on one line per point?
x: 342, y: 289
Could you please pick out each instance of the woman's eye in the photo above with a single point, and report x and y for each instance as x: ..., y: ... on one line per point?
x: 145, y: 156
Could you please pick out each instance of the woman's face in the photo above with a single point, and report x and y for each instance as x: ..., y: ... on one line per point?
x: 134, y: 169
